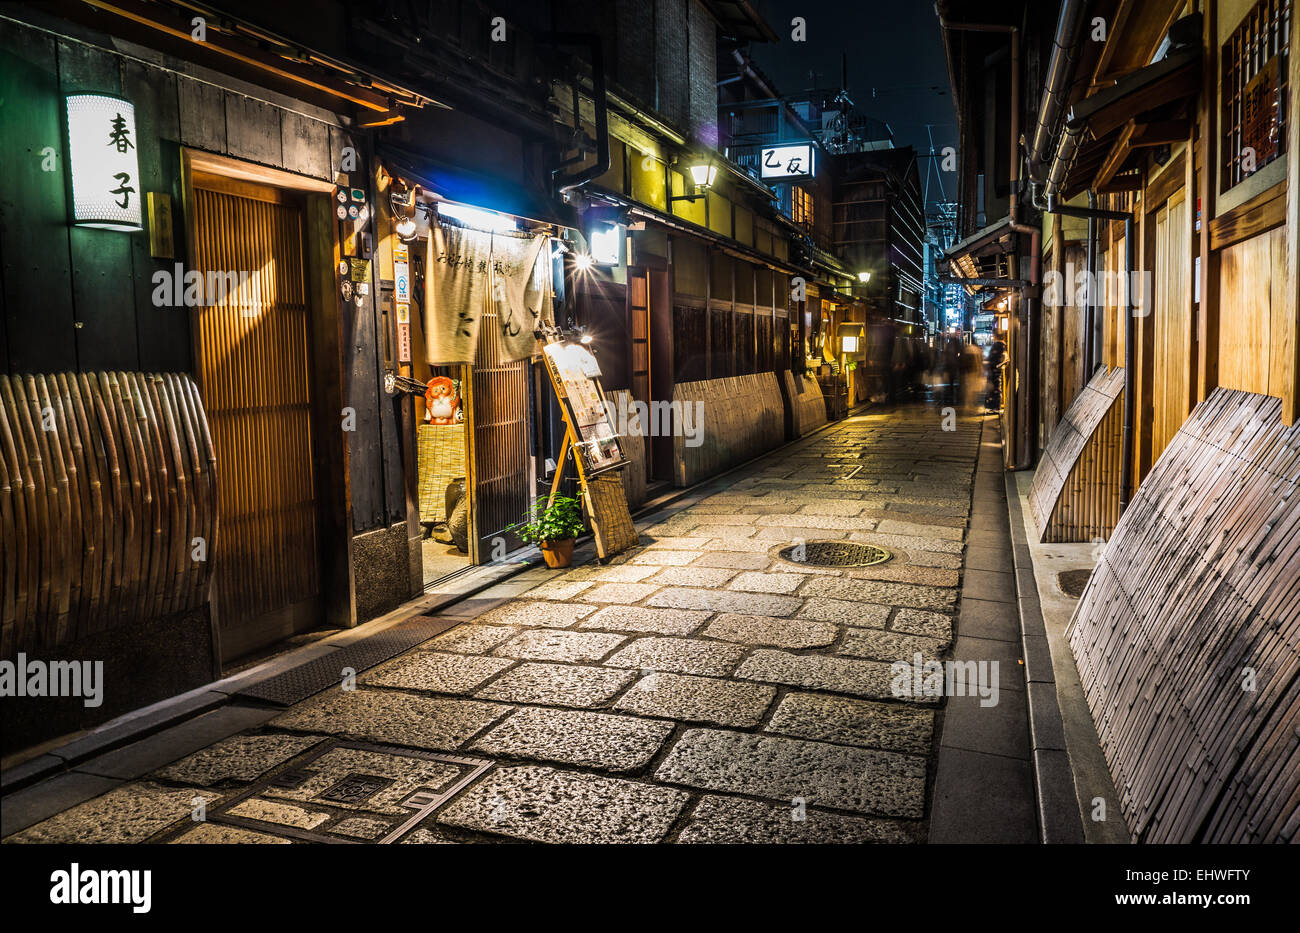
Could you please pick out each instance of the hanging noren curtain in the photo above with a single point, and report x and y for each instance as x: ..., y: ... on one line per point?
x: 462, y: 265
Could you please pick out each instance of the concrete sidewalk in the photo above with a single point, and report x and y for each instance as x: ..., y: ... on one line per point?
x: 699, y: 689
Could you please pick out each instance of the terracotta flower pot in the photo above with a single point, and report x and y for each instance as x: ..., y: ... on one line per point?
x: 557, y: 553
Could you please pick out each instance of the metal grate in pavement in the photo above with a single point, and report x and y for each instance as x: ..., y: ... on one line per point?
x: 834, y: 554
x: 307, y: 679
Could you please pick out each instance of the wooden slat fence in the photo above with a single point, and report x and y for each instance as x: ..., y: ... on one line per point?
x: 1186, y: 637
x: 1075, y: 492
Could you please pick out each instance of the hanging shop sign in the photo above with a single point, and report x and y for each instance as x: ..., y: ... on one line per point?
x: 402, y: 299
x: 794, y: 161
x: 104, y: 162
x: 461, y: 265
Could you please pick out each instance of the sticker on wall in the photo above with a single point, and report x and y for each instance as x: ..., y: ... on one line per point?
x: 401, y: 274
x: 403, y: 343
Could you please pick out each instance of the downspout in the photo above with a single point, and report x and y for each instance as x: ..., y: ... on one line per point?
x: 593, y: 44
x: 1089, y: 319
x: 1130, y: 328
x: 1060, y: 72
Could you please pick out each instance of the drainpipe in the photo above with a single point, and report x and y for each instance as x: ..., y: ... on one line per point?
x: 1130, y: 327
x: 593, y: 44
x: 1060, y: 72
x: 1089, y: 320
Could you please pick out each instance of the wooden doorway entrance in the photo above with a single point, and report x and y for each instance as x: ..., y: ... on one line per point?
x: 501, y: 473
x: 254, y: 367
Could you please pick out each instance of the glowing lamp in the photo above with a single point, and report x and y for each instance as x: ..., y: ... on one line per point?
x: 606, y: 245
x: 864, y: 277
x: 478, y: 218
x: 104, y: 160
x: 704, y: 174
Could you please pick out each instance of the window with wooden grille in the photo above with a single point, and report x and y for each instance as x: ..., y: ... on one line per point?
x: 1254, y: 71
x: 801, y: 207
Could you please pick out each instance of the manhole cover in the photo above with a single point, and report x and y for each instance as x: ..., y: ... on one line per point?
x: 835, y: 554
x: 1073, y: 582
x: 346, y: 792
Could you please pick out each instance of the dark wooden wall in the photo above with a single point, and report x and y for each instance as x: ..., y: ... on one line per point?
x: 81, y: 299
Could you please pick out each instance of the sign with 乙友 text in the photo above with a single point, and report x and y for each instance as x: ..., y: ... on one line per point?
x: 794, y: 161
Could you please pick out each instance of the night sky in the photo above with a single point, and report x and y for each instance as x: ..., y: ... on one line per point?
x: 893, y: 47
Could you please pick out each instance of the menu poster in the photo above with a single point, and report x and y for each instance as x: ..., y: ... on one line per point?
x: 575, y: 372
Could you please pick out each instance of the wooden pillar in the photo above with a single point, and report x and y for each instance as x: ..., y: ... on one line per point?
x: 1290, y: 342
x: 1207, y: 318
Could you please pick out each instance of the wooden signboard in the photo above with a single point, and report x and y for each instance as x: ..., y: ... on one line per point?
x: 590, y: 436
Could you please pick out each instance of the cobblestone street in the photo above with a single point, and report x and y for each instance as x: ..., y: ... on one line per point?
x: 698, y: 689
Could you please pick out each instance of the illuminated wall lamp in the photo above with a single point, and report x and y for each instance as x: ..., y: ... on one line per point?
x: 702, y: 175
x: 864, y: 277
x: 104, y: 161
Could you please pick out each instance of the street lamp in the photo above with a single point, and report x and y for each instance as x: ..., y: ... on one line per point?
x: 864, y: 277
x: 703, y: 173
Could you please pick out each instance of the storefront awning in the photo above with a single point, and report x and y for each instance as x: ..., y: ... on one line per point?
x: 982, y: 259
x: 1147, y: 108
x: 471, y: 188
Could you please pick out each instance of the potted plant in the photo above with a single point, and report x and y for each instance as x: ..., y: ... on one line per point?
x: 552, y: 526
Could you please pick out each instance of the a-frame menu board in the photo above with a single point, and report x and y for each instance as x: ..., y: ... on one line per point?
x: 590, y: 437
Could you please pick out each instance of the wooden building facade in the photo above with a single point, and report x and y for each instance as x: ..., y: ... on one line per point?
x: 1154, y: 325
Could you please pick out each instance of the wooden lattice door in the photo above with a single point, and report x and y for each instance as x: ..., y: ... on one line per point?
x: 253, y: 362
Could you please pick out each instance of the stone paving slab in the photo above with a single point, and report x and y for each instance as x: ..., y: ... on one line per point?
x: 217, y: 834
x: 920, y: 622
x: 663, y: 558
x: 558, y: 684
x: 617, y: 573
x: 768, y: 631
x: 679, y: 656
x: 845, y: 612
x: 697, y: 699
x: 594, y: 740
x: 693, y: 575
x: 889, y: 646
x: 735, y: 820
x: 560, y: 589
x: 645, y: 620
x: 238, y: 758
x: 834, y: 776
x: 733, y: 560
x: 436, y: 672
x: 472, y: 638
x: 548, y: 805
x: 890, y: 726
x: 131, y: 813
x: 685, y: 597
x: 392, y: 717
x: 818, y: 672
x: 551, y: 645
x: 889, y: 594
x: 753, y: 582
x: 532, y: 612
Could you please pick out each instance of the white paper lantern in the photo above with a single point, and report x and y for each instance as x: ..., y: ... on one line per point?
x: 105, y: 163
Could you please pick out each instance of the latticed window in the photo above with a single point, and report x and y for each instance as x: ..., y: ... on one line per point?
x: 801, y: 207
x: 1254, y: 70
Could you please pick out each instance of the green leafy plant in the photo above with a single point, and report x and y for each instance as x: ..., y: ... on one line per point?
x: 559, y: 521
